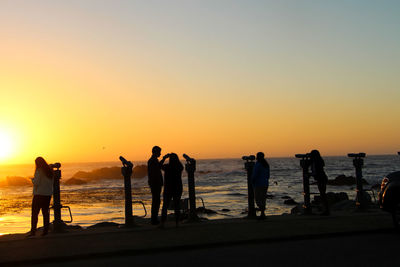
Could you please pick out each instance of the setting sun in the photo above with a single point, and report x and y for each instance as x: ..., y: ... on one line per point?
x: 6, y: 145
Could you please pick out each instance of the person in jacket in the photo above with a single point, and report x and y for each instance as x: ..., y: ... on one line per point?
x: 42, y: 192
x: 172, y: 187
x: 317, y: 171
x: 155, y: 180
x: 260, y: 182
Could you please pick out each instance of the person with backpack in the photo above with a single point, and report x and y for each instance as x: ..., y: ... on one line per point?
x: 42, y: 192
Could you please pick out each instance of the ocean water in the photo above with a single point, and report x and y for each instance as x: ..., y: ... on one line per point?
x: 220, y: 183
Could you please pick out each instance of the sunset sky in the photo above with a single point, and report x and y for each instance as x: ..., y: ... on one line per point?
x: 92, y: 80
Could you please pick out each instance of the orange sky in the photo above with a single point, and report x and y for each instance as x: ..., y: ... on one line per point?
x: 90, y: 84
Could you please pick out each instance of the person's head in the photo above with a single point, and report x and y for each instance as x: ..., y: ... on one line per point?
x: 316, y: 157
x: 260, y: 157
x: 174, y: 159
x: 315, y: 154
x: 156, y: 151
x: 42, y: 164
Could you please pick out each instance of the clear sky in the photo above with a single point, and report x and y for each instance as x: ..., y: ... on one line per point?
x: 92, y: 80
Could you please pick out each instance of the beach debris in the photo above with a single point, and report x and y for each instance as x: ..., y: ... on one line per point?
x: 344, y: 180
x: 75, y: 181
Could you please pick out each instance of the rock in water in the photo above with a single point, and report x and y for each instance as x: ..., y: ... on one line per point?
x: 290, y: 201
x: 205, y: 211
x: 332, y: 198
x: 17, y: 181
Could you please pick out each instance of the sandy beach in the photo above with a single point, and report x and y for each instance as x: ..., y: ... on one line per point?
x: 115, y: 241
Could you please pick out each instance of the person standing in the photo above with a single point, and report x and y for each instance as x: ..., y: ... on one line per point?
x: 317, y: 171
x: 260, y: 181
x: 155, y: 180
x: 42, y: 192
x: 172, y: 187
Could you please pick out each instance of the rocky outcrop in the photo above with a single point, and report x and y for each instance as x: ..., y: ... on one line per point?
x: 75, y: 181
x: 97, y: 174
x: 139, y: 171
x: 345, y: 180
x: 16, y: 181
x: 340, y: 201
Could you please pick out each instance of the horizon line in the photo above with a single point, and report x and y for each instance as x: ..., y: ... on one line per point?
x: 227, y: 158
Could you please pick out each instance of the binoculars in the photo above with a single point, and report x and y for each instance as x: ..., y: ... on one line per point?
x: 303, y: 156
x: 249, y: 158
x: 56, y: 165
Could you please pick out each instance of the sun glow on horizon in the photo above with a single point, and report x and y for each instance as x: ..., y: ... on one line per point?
x: 7, y: 145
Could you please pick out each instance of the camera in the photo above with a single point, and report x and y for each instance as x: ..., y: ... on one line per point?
x: 251, y: 157
x: 356, y: 155
x: 302, y: 156
x: 56, y: 165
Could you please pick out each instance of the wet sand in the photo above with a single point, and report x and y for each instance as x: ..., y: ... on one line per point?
x: 147, y: 239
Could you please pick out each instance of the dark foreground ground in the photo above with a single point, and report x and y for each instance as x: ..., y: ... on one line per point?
x: 367, y: 249
x: 365, y: 238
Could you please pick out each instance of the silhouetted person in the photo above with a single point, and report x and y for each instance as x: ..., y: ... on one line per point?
x: 260, y: 182
x: 172, y: 187
x: 155, y: 182
x: 42, y: 192
x: 317, y: 171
